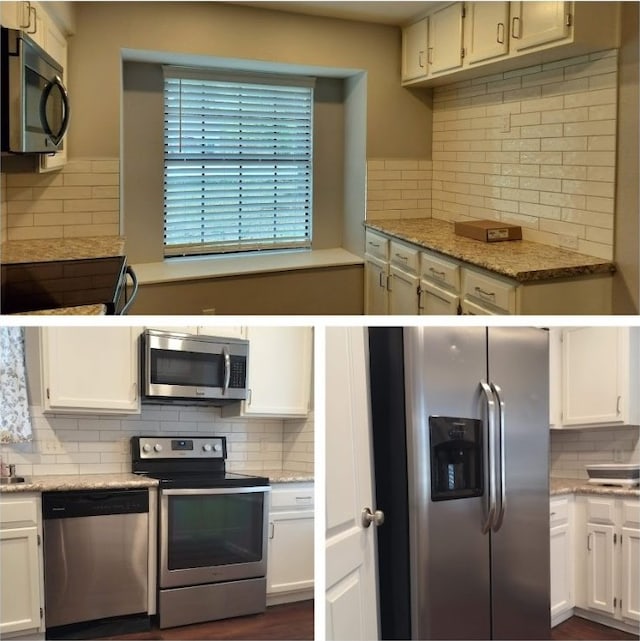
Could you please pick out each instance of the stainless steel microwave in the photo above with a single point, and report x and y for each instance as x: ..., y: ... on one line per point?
x: 190, y: 368
x: 35, y: 103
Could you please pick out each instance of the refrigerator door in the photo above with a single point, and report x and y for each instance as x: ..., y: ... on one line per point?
x: 449, y: 554
x: 519, y: 367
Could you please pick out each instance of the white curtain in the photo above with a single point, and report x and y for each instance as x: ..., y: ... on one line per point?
x: 15, y: 422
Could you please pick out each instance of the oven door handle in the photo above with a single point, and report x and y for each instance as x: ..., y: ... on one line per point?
x: 216, y: 490
x: 134, y: 293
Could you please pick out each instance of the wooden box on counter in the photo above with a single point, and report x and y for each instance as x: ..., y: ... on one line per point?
x: 488, y: 231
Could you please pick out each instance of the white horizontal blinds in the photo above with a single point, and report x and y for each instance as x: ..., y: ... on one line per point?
x: 237, y: 165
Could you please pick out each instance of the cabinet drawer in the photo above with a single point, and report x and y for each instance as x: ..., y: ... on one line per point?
x: 559, y: 511
x: 18, y: 512
x: 489, y: 291
x: 299, y: 497
x: 631, y: 513
x: 601, y: 510
x: 444, y: 273
x: 376, y: 245
x: 404, y: 257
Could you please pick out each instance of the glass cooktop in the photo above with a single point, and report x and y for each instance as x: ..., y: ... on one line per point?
x: 207, y: 479
x: 28, y: 287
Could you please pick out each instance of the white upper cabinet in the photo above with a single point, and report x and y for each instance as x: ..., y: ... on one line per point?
x: 486, y: 31
x: 599, y: 376
x: 445, y: 51
x: 539, y: 23
x: 279, y: 377
x: 414, y: 50
x: 90, y: 369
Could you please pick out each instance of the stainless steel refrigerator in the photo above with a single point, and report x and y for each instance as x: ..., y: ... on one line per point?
x: 477, y: 438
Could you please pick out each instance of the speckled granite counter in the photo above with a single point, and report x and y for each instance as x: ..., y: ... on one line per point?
x: 43, y: 250
x: 581, y: 486
x: 281, y: 476
x: 65, y: 482
x: 522, y: 260
x: 81, y: 310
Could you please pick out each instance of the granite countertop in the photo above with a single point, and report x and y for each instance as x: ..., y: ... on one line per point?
x: 522, y: 260
x: 80, y: 310
x: 559, y: 486
x: 44, y: 250
x: 65, y: 482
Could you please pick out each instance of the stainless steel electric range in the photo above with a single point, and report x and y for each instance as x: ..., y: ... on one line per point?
x: 212, y: 529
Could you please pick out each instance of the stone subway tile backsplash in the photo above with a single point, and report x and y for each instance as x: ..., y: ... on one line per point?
x: 82, y: 199
x: 572, y: 449
x: 87, y: 444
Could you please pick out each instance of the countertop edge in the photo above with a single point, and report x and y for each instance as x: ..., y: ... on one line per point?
x: 560, y: 486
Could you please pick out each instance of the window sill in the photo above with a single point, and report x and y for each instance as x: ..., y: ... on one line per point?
x: 201, y: 268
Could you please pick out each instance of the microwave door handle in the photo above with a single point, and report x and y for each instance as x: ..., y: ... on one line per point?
x: 227, y: 369
x: 55, y: 82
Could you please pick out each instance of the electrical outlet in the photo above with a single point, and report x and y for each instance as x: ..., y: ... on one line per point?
x: 568, y: 241
x: 52, y: 447
x: 506, y: 123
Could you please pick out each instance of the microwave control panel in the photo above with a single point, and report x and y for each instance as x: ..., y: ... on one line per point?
x: 238, y: 372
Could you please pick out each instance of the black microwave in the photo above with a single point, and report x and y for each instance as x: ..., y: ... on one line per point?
x: 191, y: 368
x: 35, y: 102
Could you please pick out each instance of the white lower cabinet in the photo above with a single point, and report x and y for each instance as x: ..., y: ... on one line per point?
x: 607, y: 565
x: 290, y: 553
x: 562, y: 563
x: 21, y: 577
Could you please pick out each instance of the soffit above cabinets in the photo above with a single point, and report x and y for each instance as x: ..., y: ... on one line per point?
x: 391, y: 13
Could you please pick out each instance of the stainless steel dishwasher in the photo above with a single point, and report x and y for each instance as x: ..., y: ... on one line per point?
x: 96, y: 560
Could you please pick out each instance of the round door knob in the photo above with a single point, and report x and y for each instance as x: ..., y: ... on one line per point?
x: 206, y: 447
x: 157, y: 447
x: 368, y: 517
x: 217, y: 447
x: 146, y: 447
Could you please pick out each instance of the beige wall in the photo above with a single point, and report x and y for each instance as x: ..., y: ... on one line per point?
x: 398, y: 121
x: 626, y: 289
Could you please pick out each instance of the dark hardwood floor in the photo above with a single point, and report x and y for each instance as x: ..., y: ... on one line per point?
x: 285, y: 622
x: 578, y: 629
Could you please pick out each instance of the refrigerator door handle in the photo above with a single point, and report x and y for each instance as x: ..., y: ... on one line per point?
x: 492, y: 476
x: 503, y: 486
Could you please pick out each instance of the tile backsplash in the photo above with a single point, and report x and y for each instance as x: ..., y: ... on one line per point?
x: 571, y: 450
x: 87, y: 444
x: 535, y: 147
x: 81, y: 199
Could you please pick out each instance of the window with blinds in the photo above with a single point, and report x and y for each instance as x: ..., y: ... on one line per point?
x: 237, y: 164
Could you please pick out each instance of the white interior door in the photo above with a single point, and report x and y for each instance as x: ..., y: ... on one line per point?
x: 351, y: 597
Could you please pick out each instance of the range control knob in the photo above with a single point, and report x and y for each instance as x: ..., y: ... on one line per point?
x: 206, y: 447
x: 146, y: 447
x: 157, y: 447
x: 217, y: 447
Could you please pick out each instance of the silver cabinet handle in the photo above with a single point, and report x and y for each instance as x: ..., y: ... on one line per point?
x: 513, y: 28
x: 380, y: 277
x: 492, y: 457
x: 401, y: 257
x: 420, y: 62
x: 368, y: 517
x: 499, y: 38
x: 430, y: 55
x: 503, y: 477
x: 589, y: 541
x: 486, y: 295
x: 437, y: 274
x: 272, y: 530
x: 374, y: 244
x: 553, y: 513
x: 26, y: 8
x: 618, y: 405
x: 134, y: 389
x: 32, y: 11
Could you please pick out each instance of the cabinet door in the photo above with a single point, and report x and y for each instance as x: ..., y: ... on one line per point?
x: 19, y: 580
x: 279, y: 371
x: 630, y: 573
x: 592, y: 375
x: 414, y: 50
x: 600, y: 567
x: 561, y: 569
x: 486, y: 31
x: 403, y: 293
x: 376, y: 298
x: 445, y: 39
x: 435, y: 300
x: 290, y: 560
x: 90, y: 368
x: 14, y: 15
x: 538, y: 23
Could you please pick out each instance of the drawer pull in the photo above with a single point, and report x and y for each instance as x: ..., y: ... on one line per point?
x: 437, y: 274
x: 374, y: 244
x: 401, y: 257
x: 553, y: 513
x: 499, y: 37
x: 482, y: 294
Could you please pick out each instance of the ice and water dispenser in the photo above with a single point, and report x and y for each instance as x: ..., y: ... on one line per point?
x: 456, y: 457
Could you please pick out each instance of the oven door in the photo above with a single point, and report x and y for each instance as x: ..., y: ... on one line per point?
x: 212, y: 535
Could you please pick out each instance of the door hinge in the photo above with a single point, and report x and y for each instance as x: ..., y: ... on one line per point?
x: 39, y: 539
x: 462, y: 52
x: 41, y: 613
x: 615, y: 603
x: 569, y: 20
x: 48, y: 395
x: 464, y: 10
x: 615, y: 538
